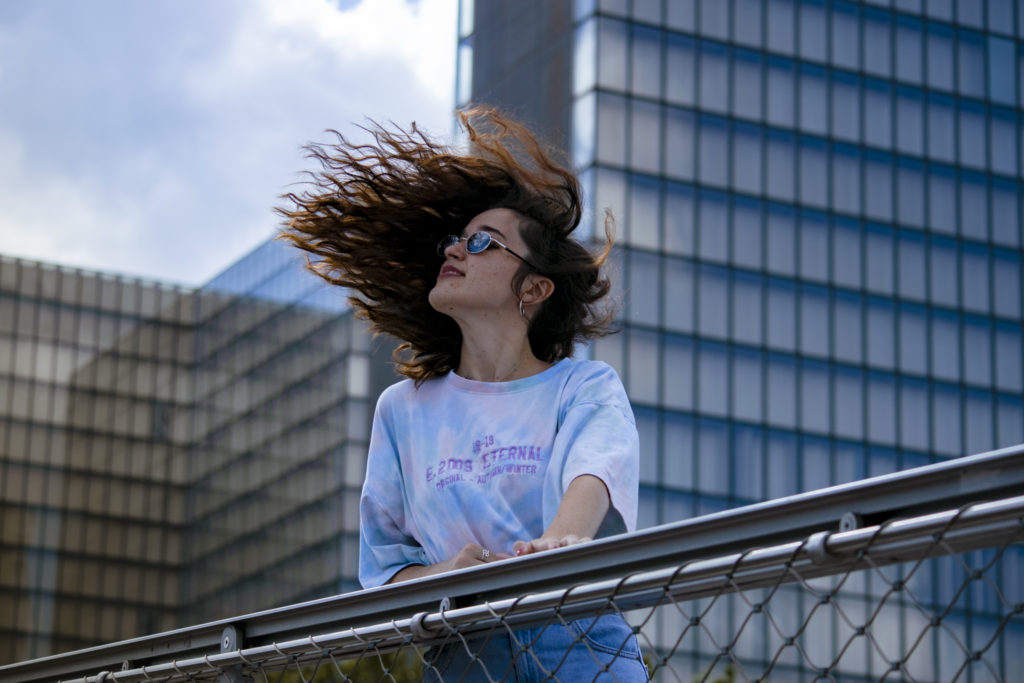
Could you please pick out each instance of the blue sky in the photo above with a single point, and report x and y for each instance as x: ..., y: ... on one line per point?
x: 153, y: 138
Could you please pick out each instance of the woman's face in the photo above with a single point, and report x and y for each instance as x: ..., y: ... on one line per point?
x: 481, y: 283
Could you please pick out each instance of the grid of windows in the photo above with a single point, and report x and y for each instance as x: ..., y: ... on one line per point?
x: 818, y: 204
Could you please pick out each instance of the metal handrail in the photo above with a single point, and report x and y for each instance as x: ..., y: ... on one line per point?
x: 937, y: 487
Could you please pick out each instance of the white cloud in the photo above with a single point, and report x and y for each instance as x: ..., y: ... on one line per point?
x: 154, y: 138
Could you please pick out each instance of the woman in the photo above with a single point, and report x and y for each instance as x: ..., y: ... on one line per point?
x: 498, y: 443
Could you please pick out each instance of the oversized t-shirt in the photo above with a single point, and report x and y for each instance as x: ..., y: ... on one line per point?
x: 456, y: 461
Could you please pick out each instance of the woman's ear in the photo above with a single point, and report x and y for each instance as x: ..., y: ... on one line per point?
x: 536, y: 289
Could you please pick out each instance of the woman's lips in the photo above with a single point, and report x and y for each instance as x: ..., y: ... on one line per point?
x: 451, y: 271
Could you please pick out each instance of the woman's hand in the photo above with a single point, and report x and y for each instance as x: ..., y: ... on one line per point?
x: 547, y: 543
x: 473, y: 555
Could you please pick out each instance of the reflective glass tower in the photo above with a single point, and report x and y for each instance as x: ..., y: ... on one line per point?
x: 818, y: 225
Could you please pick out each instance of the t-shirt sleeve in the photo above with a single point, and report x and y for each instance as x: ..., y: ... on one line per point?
x: 597, y: 436
x: 386, y: 545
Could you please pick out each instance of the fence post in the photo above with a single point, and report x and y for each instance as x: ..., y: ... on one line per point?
x: 230, y: 641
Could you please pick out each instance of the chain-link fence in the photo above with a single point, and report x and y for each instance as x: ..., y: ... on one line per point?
x: 935, y: 597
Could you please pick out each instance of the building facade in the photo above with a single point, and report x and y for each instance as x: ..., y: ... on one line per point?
x: 818, y: 224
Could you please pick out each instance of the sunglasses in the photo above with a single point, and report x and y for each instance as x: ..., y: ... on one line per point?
x: 477, y: 243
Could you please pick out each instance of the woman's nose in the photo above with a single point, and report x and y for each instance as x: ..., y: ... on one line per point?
x: 456, y: 249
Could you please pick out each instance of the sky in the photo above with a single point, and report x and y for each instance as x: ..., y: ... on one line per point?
x: 153, y: 138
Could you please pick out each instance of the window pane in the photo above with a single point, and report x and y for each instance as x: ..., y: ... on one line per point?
x: 713, y: 474
x: 944, y: 288
x: 747, y: 384
x: 945, y: 346
x: 978, y: 425
x: 815, y: 403
x: 881, y: 408
x: 747, y: 22
x: 909, y: 121
x: 881, y: 333
x: 914, y: 415
x: 781, y: 31
x: 814, y: 321
x: 746, y: 241
x: 781, y: 240
x: 746, y: 85
x: 680, y: 59
x: 845, y: 38
x: 680, y: 149
x: 848, y: 400
x: 714, y: 301
x: 910, y: 198
x: 748, y: 454
x: 679, y: 303
x: 1003, y: 142
x: 646, y: 78
x: 913, y: 339
x: 972, y: 135
x: 1007, y: 284
x: 977, y: 352
x: 877, y: 43
x: 908, y: 49
x: 714, y: 77
x: 611, y: 53
x: 713, y: 223
x: 971, y: 63
x: 781, y: 315
x: 813, y: 31
x: 946, y: 431
x: 975, y: 278
x: 941, y: 128
x: 781, y: 464
x: 973, y: 206
x: 781, y: 392
x: 814, y: 246
x: 679, y: 210
x: 643, y: 376
x: 679, y: 377
x: 845, y: 179
x: 782, y: 162
x: 940, y: 56
x: 879, y: 259
x: 746, y: 153
x: 747, y: 307
x: 814, y: 172
x: 713, y: 379
x: 1002, y: 86
x: 846, y: 259
x: 678, y: 469
x: 714, y: 19
x: 846, y: 107
x: 611, y: 129
x: 714, y: 151
x: 644, y: 202
x: 781, y: 92
x: 847, y: 325
x: 1009, y: 353
x: 1010, y: 418
x: 644, y: 292
x: 645, y: 136
x: 878, y: 185
x: 942, y: 200
x: 878, y: 114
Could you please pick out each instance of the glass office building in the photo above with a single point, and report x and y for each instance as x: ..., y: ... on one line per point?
x: 818, y: 213
x: 172, y: 456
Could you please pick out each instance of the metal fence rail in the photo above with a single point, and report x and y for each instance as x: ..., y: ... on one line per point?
x: 918, y: 592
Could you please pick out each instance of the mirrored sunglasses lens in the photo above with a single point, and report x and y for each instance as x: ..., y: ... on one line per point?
x: 478, y: 242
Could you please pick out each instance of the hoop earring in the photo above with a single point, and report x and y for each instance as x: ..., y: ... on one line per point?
x: 521, y: 308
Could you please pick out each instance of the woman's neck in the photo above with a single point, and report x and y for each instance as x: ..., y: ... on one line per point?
x: 490, y: 354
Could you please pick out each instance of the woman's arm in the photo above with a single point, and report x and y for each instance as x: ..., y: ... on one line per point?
x: 471, y: 555
x: 579, y: 516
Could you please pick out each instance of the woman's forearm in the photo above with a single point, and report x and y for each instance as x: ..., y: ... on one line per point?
x: 579, y: 516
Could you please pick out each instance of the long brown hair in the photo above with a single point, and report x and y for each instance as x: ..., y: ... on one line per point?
x: 373, y: 213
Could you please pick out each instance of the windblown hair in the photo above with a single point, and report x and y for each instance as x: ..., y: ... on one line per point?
x: 372, y: 215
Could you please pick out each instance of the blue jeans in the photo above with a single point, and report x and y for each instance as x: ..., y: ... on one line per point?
x: 597, y: 649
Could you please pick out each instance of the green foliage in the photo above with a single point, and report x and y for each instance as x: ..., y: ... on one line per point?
x: 404, y: 666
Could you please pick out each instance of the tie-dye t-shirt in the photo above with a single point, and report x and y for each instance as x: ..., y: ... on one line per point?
x: 457, y: 461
